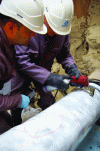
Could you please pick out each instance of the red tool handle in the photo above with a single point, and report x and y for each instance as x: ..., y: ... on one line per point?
x: 81, y: 81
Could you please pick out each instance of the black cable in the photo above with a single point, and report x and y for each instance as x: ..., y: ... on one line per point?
x: 56, y: 94
x: 94, y: 81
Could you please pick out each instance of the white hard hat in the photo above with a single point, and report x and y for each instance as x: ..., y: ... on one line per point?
x: 59, y: 14
x: 28, y: 12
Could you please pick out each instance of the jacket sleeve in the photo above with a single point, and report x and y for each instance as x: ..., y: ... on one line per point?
x: 10, y: 101
x: 29, y: 68
x: 64, y: 57
x: 7, y: 101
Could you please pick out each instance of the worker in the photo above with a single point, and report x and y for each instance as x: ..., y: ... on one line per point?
x: 36, y: 60
x: 18, y: 22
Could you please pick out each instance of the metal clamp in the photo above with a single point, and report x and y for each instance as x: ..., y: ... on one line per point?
x: 90, y: 90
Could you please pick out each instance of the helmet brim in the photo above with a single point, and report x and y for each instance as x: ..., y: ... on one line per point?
x: 38, y: 28
x: 60, y: 31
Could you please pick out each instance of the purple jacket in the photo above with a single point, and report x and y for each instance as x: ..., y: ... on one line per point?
x: 6, y: 73
x: 36, y: 60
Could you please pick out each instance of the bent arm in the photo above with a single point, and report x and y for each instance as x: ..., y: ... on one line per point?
x: 10, y: 101
x: 64, y: 57
x: 29, y: 68
x: 7, y: 101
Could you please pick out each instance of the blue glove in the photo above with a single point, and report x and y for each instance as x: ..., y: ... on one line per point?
x: 72, y: 70
x: 25, y: 101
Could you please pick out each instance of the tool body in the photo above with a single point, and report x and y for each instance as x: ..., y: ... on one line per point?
x: 81, y: 82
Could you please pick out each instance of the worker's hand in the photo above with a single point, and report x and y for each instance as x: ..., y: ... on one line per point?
x: 72, y: 70
x: 25, y: 101
x: 56, y: 81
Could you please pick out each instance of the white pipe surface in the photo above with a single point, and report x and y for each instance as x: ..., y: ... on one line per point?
x: 61, y: 127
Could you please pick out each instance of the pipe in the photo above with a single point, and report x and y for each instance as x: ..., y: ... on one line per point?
x: 61, y: 127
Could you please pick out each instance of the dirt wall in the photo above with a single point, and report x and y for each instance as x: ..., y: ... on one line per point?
x: 85, y: 41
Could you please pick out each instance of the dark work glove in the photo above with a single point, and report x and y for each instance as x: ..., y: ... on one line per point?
x: 56, y: 81
x: 72, y: 70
